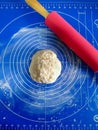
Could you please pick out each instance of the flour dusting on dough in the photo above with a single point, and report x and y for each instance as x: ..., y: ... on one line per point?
x: 45, y: 67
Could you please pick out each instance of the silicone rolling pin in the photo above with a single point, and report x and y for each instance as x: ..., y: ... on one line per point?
x: 72, y: 38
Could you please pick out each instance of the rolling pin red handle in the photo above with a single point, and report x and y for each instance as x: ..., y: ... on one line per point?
x: 73, y: 39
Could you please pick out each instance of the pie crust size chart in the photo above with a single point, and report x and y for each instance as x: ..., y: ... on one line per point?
x: 35, y: 101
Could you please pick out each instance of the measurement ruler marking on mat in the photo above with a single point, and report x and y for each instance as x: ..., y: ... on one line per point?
x: 49, y: 127
x: 50, y: 5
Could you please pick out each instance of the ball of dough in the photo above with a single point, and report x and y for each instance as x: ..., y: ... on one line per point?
x: 45, y: 67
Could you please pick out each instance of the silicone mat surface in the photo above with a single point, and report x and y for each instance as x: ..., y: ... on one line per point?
x: 71, y: 103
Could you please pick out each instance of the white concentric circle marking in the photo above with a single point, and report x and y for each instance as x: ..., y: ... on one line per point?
x: 34, y: 94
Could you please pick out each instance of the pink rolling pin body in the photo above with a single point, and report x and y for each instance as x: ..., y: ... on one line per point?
x: 73, y: 39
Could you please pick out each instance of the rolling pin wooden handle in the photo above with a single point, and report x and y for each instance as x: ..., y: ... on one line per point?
x: 73, y: 39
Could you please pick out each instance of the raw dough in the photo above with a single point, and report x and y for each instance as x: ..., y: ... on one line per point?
x: 45, y: 67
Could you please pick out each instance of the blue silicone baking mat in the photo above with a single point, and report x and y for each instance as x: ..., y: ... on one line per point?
x: 71, y: 103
